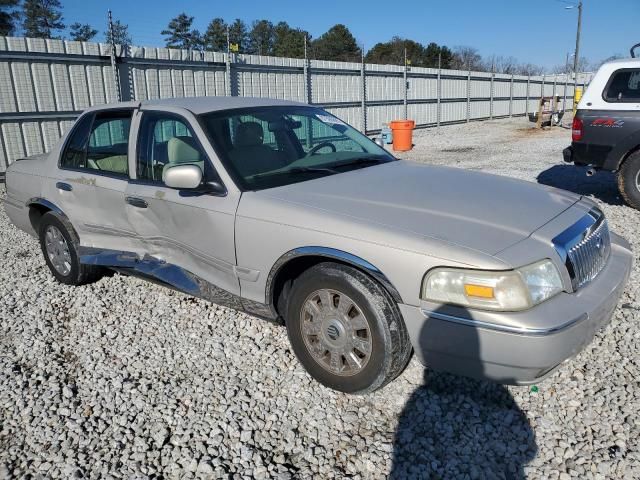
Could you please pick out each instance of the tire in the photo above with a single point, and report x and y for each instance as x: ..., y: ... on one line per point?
x: 333, y: 312
x: 66, y: 268
x: 629, y: 180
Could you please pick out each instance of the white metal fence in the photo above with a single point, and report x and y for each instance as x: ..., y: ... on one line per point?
x: 45, y: 84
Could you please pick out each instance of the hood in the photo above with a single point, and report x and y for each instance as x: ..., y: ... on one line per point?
x: 479, y: 211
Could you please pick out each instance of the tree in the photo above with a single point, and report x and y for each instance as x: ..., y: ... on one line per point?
x: 392, y: 52
x: 238, y: 35
x: 433, y: 51
x: 120, y: 34
x: 180, y: 35
x: 467, y: 58
x: 337, y: 44
x: 9, y: 17
x: 261, y: 38
x: 529, y: 69
x: 215, y: 38
x: 42, y: 18
x: 289, y: 42
x: 82, y: 33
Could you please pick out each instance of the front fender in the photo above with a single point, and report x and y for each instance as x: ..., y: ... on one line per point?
x: 329, y: 253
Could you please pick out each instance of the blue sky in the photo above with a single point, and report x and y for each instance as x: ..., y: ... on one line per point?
x: 536, y: 31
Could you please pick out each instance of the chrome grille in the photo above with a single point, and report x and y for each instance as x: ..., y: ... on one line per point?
x: 585, y: 247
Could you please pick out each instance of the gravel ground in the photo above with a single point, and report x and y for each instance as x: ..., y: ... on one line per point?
x: 125, y: 379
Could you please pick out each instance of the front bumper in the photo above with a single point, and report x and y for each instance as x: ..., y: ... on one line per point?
x: 457, y: 340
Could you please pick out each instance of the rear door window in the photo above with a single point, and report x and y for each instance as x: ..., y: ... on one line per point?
x: 624, y: 86
x: 75, y: 153
x: 109, y: 142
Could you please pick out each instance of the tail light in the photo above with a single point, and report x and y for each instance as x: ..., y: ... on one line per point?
x: 576, y: 129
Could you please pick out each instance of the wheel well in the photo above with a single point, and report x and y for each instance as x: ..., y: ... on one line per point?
x: 36, y: 212
x: 281, y: 284
x: 628, y: 154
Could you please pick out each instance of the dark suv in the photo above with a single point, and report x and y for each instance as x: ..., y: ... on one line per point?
x: 606, y: 128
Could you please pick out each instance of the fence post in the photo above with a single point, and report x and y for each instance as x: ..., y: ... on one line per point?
x: 544, y: 77
x: 306, y: 74
x: 526, y: 111
x: 491, y: 97
x: 406, y: 87
x: 227, y: 73
x: 116, y: 76
x: 564, y: 101
x: 555, y: 80
x: 469, y: 94
x: 363, y: 81
x: 511, y: 97
x: 439, y: 91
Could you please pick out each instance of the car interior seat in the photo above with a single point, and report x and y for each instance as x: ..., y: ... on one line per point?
x: 250, y: 155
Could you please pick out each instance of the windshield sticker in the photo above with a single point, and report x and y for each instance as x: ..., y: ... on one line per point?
x: 329, y: 119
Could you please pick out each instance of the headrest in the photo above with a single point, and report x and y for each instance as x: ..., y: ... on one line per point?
x: 182, y: 150
x: 249, y: 134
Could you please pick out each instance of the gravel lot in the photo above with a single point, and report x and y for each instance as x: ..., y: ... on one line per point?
x: 124, y: 379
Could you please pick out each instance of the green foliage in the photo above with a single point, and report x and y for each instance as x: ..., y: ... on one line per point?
x: 180, y: 35
x: 120, y: 34
x: 215, y: 38
x: 392, y: 52
x: 337, y: 44
x: 289, y: 42
x: 82, y: 33
x: 9, y: 17
x: 238, y: 35
x: 42, y: 18
x: 261, y: 38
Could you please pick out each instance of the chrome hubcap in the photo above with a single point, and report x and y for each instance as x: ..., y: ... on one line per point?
x: 57, y: 250
x: 335, y: 332
x: 638, y: 181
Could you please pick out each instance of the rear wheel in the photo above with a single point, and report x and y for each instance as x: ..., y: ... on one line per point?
x: 59, y: 244
x: 345, y: 329
x: 629, y: 180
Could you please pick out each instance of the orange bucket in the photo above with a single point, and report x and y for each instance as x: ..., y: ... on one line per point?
x: 402, y: 134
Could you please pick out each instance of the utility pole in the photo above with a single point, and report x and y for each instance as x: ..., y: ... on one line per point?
x: 577, y: 53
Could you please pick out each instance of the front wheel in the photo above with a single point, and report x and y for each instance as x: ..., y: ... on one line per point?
x: 629, y: 180
x: 345, y: 329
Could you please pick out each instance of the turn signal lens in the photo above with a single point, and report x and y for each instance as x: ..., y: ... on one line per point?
x: 480, y: 291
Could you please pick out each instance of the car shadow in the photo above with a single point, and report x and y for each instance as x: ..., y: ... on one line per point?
x: 574, y: 178
x: 458, y: 427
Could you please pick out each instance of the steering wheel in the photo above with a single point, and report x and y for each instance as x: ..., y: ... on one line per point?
x: 315, y: 149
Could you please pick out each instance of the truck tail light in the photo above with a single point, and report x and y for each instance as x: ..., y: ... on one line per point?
x: 576, y: 129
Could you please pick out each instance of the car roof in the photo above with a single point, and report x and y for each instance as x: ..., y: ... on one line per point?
x: 200, y: 105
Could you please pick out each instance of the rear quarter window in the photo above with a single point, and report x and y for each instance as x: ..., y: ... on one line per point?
x: 623, y: 87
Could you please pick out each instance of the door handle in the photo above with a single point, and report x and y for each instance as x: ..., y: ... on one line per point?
x: 136, y: 202
x: 64, y: 186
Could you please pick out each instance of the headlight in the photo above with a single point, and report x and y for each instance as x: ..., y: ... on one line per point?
x: 510, y: 290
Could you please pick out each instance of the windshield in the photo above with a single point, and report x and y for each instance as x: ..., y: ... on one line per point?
x: 267, y: 147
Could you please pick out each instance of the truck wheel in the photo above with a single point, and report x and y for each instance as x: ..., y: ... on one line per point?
x: 345, y: 329
x: 629, y: 180
x: 59, y: 243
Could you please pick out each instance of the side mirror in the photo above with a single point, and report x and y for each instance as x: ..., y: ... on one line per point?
x: 182, y: 177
